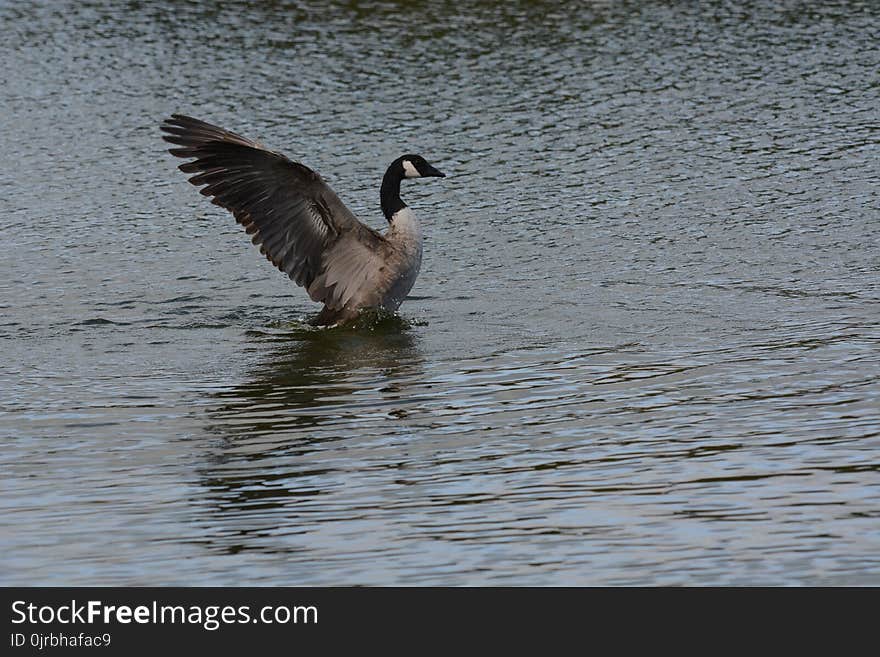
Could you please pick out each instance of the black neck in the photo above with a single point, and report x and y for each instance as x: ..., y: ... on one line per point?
x: 389, y: 194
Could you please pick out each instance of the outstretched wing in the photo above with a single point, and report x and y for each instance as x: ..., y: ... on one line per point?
x: 300, y: 224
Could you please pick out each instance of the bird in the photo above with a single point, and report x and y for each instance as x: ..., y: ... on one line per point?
x: 301, y: 225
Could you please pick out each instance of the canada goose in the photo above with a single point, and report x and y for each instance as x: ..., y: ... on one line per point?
x: 301, y: 225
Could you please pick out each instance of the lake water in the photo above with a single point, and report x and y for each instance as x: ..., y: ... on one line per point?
x: 644, y: 347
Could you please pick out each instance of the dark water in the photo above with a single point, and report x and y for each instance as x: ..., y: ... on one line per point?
x: 644, y: 347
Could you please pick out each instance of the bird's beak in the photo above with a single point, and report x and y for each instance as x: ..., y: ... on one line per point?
x: 431, y: 172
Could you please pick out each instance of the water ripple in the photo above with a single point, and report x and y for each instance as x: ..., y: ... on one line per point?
x: 643, y: 348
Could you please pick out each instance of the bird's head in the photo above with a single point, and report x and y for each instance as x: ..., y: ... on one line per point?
x: 415, y: 166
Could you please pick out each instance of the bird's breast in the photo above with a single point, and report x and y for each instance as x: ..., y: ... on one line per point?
x: 405, y: 236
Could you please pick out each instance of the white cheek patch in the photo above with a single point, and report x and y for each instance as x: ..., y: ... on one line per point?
x: 409, y: 170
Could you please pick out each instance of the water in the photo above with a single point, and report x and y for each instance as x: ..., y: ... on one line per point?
x: 644, y: 347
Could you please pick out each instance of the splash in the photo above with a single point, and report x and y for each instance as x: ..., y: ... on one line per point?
x: 377, y: 320
x: 370, y: 320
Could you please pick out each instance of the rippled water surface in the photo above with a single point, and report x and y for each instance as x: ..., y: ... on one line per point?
x: 644, y: 347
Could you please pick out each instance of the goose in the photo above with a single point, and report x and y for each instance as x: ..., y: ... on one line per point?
x: 301, y: 225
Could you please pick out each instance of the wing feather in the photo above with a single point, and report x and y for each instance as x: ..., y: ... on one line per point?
x: 297, y: 220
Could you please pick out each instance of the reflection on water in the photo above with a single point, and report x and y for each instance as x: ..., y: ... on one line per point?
x: 305, y: 382
x: 308, y: 372
x: 643, y: 347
